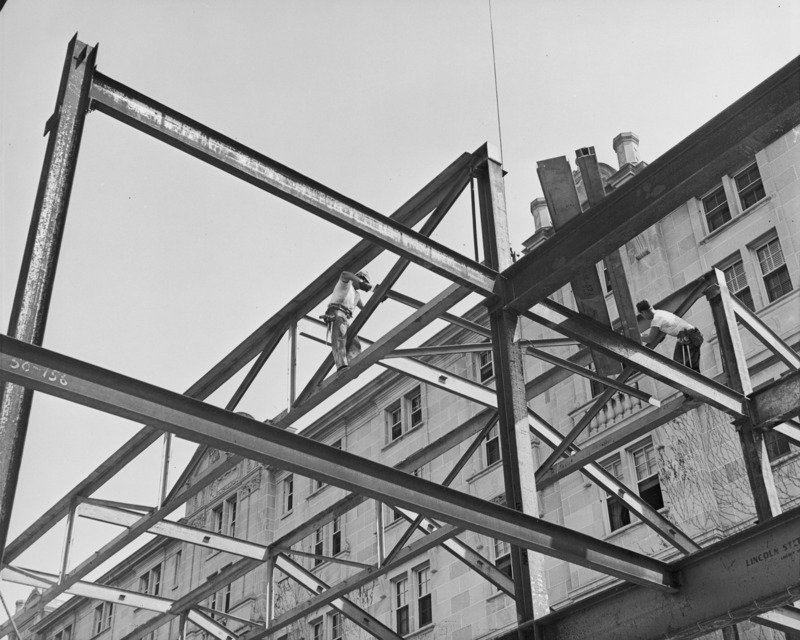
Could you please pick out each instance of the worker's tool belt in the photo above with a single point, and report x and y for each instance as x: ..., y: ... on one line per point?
x: 330, y: 312
x: 691, y: 336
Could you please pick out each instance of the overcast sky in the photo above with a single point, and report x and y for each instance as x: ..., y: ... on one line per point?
x: 167, y: 263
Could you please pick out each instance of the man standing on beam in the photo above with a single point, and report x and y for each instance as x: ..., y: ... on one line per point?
x: 688, y: 338
x: 344, y: 299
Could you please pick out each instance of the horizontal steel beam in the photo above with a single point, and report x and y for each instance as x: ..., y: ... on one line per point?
x: 690, y: 168
x: 190, y: 136
x: 790, y: 430
x: 572, y: 324
x: 776, y: 402
x: 193, y: 535
x: 750, y: 573
x: 106, y: 593
x: 786, y: 619
x: 116, y: 394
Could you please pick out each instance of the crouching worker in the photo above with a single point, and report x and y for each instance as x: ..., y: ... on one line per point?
x: 688, y: 338
x: 344, y: 300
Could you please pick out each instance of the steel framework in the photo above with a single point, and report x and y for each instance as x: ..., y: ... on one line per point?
x: 681, y: 599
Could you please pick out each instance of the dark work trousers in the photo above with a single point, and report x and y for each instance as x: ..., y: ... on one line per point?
x: 687, y: 349
x: 342, y: 352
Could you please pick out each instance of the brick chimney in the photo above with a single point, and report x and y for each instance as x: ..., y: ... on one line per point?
x: 626, y: 145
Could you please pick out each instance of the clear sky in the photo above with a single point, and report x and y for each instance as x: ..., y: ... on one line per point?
x: 167, y: 264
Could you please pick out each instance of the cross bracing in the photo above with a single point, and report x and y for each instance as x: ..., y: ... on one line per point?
x: 511, y: 291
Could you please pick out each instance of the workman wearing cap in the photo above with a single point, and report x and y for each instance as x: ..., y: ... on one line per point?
x: 689, y: 338
x: 344, y: 300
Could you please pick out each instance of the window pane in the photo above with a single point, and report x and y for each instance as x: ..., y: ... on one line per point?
x: 618, y: 515
x: 778, y: 283
x: 750, y: 187
x: 415, y: 407
x: 486, y: 365
x: 777, y: 445
x: 336, y: 537
x: 770, y: 256
x: 716, y: 209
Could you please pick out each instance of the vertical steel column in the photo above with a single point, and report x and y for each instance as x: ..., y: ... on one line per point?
x: 759, y: 472
x: 515, y: 438
x: 35, y: 284
x: 291, y: 335
x: 163, y: 478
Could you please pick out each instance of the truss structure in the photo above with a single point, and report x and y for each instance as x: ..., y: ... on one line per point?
x: 686, y: 598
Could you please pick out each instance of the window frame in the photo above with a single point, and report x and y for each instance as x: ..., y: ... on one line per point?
x: 224, y: 516
x: 625, y: 470
x: 484, y: 365
x: 66, y: 629
x: 734, y: 198
x: 757, y: 246
x: 753, y: 186
x: 401, y: 611
x: 146, y: 580
x: 734, y: 282
x: 287, y: 494
x: 399, y: 415
x: 492, y: 444
x: 420, y: 599
x: 103, y: 617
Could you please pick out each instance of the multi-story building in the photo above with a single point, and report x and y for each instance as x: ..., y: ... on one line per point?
x: 689, y: 468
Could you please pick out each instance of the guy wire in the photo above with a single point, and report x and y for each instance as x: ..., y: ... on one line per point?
x: 496, y: 91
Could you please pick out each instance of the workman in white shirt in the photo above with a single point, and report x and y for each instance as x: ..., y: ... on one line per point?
x: 344, y: 300
x: 689, y: 338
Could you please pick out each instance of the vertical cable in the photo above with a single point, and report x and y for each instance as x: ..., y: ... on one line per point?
x: 496, y: 91
x: 474, y: 218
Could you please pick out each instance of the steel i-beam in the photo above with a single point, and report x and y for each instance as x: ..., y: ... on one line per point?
x: 110, y: 392
x: 153, y: 118
x: 39, y: 262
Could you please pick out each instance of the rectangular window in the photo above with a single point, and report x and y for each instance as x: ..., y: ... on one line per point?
x: 414, y: 402
x: 336, y: 537
x: 492, y: 446
x: 288, y: 494
x: 319, y: 546
x: 150, y: 582
x: 394, y: 421
x: 618, y: 515
x: 223, y: 517
x: 64, y: 634
x: 715, y: 206
x: 217, y: 519
x: 317, y: 631
x: 424, y: 604
x: 337, y: 626
x: 777, y: 444
x: 402, y: 623
x: 749, y: 186
x: 502, y: 557
x: 774, y: 269
x: 648, y: 485
x: 605, y: 277
x: 103, y: 614
x: 736, y: 280
x: 485, y: 366
x: 231, y: 508
x: 404, y: 414
x: 176, y: 568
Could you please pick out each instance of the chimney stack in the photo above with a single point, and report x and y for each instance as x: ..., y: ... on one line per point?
x: 541, y: 215
x: 626, y: 145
